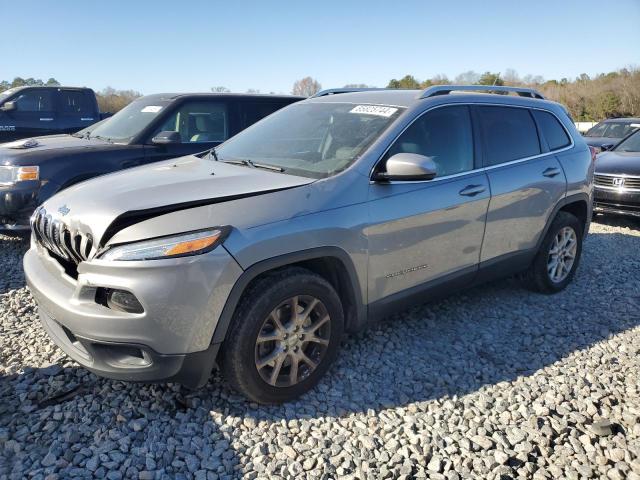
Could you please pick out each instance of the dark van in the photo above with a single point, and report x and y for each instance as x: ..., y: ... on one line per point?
x: 150, y: 129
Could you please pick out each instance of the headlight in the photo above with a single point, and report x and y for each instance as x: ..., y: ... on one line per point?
x: 185, y: 244
x: 12, y: 174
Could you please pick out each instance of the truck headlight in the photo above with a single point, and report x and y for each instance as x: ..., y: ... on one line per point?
x: 10, y: 174
x: 182, y: 245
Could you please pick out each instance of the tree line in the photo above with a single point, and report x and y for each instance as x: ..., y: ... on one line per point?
x: 605, y: 95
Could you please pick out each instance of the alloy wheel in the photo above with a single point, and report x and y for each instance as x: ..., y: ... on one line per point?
x: 292, y: 341
x: 562, y: 254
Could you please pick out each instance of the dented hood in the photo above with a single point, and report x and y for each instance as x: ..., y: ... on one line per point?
x: 102, y: 206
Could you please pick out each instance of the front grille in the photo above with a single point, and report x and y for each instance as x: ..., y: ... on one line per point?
x: 56, y: 237
x: 622, y: 182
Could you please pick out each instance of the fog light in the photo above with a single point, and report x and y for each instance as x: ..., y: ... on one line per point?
x: 118, y: 300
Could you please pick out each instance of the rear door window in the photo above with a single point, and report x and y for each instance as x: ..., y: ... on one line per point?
x: 251, y: 112
x: 553, y: 132
x: 509, y: 134
x: 75, y: 103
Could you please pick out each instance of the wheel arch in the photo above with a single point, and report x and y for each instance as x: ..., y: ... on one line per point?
x: 578, y: 205
x: 331, y: 263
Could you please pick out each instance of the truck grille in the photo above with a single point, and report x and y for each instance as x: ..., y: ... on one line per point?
x: 56, y: 237
x: 612, y: 181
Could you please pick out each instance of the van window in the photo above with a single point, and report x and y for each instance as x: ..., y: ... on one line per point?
x: 251, y: 112
x: 509, y: 134
x: 198, y: 122
x: 75, y: 102
x: 35, y: 101
x: 553, y: 132
x: 444, y: 135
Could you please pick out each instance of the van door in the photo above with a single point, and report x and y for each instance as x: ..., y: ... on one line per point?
x: 526, y: 180
x: 34, y: 114
x: 424, y: 233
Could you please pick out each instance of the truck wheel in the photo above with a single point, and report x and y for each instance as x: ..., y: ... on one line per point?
x: 284, y: 335
x: 556, y: 262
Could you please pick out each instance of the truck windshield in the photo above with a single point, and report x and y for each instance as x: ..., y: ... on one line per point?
x: 128, y: 122
x: 7, y: 94
x: 311, y: 139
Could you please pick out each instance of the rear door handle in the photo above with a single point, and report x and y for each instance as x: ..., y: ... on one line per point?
x: 46, y: 119
x: 551, y: 172
x: 472, y: 190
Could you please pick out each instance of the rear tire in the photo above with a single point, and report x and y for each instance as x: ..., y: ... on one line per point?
x: 284, y: 336
x: 557, y: 259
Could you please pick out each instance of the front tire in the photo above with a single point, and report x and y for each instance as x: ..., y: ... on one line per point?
x: 557, y: 259
x: 284, y: 335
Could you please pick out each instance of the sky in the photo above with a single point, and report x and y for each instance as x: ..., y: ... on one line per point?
x: 181, y: 46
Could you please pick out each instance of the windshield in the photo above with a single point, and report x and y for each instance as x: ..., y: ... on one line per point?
x: 631, y: 144
x: 311, y: 139
x: 128, y: 122
x: 7, y: 93
x: 611, y: 129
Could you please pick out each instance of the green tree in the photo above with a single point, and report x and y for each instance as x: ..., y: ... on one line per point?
x: 488, y: 78
x: 408, y: 82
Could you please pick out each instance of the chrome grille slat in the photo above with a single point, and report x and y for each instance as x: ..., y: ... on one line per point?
x: 630, y: 182
x: 55, y: 236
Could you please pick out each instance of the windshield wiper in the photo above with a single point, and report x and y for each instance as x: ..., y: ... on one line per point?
x: 249, y: 163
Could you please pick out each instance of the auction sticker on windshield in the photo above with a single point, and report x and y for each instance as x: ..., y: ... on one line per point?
x: 151, y: 109
x: 374, y: 110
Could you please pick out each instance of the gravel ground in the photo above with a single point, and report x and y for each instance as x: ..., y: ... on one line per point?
x: 493, y: 383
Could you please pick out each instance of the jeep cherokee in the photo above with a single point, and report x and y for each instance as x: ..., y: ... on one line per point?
x: 315, y: 221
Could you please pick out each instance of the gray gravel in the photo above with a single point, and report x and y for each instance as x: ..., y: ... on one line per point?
x: 493, y: 383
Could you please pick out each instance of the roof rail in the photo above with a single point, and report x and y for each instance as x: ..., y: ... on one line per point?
x: 334, y: 91
x: 446, y: 89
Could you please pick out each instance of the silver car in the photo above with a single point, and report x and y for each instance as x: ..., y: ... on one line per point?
x: 257, y: 256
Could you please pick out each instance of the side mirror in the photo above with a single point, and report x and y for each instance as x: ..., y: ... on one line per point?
x: 606, y: 146
x: 408, y: 166
x: 9, y: 106
x: 167, y: 138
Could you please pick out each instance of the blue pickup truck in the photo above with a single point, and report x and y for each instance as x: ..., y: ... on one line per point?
x: 35, y: 111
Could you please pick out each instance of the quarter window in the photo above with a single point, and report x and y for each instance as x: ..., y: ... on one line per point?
x: 553, y: 132
x: 35, y: 101
x: 509, y: 134
x: 444, y: 135
x: 198, y: 122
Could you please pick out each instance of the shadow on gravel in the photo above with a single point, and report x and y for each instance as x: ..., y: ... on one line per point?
x: 618, y: 221
x: 445, y: 349
x: 12, y: 249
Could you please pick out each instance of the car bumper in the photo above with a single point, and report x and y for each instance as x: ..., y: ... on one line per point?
x: 618, y: 201
x: 169, y: 341
x: 17, y: 203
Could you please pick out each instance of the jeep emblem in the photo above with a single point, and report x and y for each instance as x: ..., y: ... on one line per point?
x: 64, y: 210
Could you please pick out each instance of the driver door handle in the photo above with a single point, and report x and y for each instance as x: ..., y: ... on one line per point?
x: 551, y: 172
x: 472, y: 190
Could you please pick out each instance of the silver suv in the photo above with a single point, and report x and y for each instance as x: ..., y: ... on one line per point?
x: 257, y: 256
